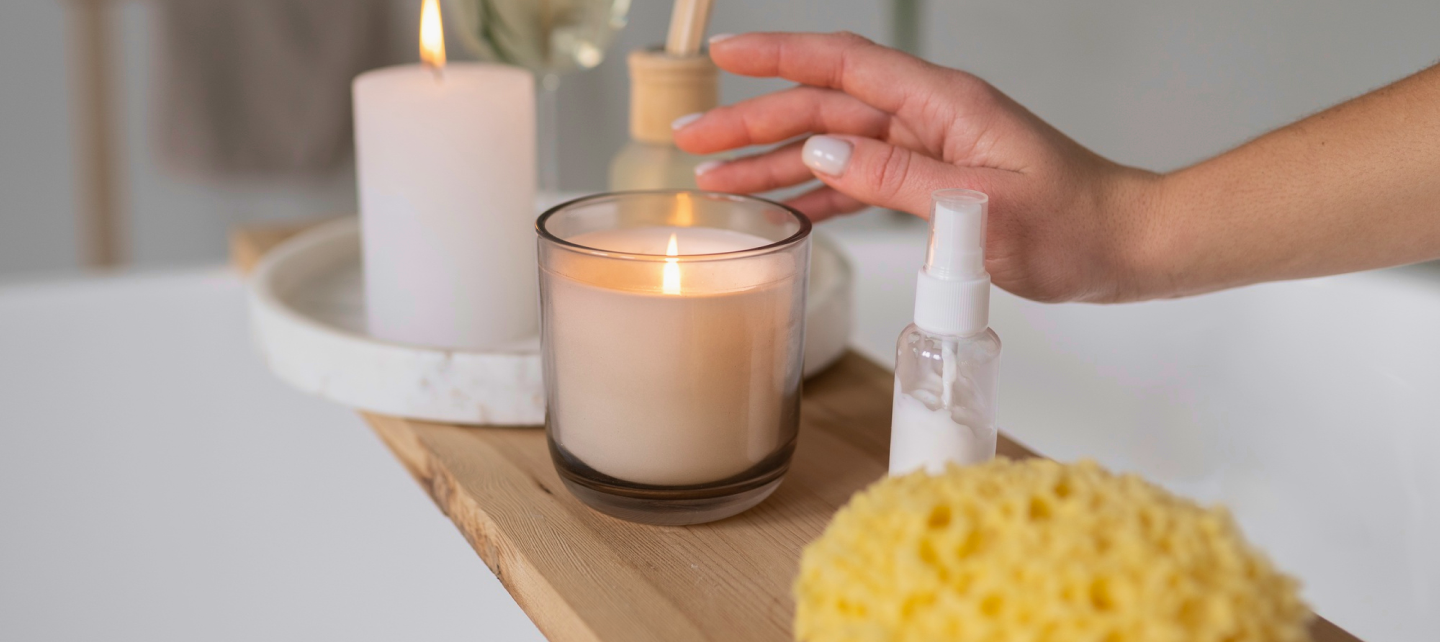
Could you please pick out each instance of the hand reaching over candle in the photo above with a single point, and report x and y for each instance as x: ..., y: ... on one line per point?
x: 1347, y: 189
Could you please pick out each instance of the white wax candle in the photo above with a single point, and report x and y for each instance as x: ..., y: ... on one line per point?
x: 446, y: 167
x: 674, y: 385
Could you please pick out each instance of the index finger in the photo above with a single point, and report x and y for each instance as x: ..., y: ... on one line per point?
x: 884, y: 78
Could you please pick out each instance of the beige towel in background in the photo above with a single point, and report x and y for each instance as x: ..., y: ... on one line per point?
x: 262, y: 87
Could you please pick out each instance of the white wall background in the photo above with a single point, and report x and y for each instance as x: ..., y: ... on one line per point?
x: 1164, y: 83
x: 37, y: 220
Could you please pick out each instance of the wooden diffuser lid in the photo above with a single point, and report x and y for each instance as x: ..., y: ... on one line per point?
x: 665, y: 87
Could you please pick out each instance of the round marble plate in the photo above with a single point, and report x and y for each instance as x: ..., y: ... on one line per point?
x: 307, y: 313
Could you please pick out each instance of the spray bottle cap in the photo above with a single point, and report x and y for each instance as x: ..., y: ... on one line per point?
x: 952, y: 291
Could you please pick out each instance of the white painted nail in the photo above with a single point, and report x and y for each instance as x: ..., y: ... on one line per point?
x: 720, y: 36
x: 826, y: 154
x: 682, y: 121
x: 707, y: 166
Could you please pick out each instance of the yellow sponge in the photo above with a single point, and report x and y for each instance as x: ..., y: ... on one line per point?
x: 1038, y: 551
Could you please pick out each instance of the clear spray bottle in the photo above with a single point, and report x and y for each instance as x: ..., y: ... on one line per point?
x: 948, y: 360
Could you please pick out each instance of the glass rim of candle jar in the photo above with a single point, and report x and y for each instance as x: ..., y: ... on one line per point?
x: 803, y: 230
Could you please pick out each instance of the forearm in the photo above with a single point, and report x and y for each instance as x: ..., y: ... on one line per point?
x: 1354, y: 187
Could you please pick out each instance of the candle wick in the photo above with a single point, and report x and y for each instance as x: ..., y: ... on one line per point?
x: 438, y: 70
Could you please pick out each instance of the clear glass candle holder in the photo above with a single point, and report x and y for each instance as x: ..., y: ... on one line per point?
x: 672, y: 329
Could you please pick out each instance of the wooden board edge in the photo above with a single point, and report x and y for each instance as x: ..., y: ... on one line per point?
x: 535, y: 595
x: 1323, y: 630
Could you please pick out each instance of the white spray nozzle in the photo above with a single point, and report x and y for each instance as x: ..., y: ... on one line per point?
x: 957, y: 234
x: 952, y: 293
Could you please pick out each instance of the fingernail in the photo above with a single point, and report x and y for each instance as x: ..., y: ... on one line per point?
x: 707, y: 166
x: 826, y: 154
x: 685, y: 120
x: 719, y: 37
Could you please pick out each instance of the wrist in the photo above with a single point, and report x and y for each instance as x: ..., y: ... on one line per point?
x: 1146, y: 263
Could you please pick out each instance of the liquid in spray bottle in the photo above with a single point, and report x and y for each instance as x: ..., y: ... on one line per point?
x: 948, y: 360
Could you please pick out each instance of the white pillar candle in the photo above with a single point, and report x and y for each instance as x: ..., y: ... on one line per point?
x: 445, y: 158
x: 684, y: 379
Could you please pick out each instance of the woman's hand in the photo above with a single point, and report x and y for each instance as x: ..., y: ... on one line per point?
x: 1350, y: 188
x: 887, y: 129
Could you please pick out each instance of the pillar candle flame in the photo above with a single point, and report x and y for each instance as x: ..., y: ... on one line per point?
x: 671, y: 283
x: 432, y: 35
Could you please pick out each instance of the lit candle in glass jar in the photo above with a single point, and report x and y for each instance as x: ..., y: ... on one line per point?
x: 673, y: 351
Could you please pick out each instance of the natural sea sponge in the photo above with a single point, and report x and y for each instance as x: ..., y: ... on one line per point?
x: 1038, y: 551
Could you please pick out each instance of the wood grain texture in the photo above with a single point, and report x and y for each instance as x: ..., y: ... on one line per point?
x: 586, y: 577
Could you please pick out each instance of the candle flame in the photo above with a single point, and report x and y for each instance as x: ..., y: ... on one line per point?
x: 671, y: 284
x: 432, y: 35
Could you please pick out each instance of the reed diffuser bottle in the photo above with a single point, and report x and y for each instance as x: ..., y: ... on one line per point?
x: 948, y: 360
x: 663, y: 87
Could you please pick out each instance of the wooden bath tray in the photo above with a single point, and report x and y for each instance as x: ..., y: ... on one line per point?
x: 583, y: 576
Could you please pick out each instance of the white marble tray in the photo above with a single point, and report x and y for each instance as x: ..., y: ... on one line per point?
x: 307, y: 317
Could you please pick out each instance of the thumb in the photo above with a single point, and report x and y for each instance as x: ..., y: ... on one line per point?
x: 879, y: 173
